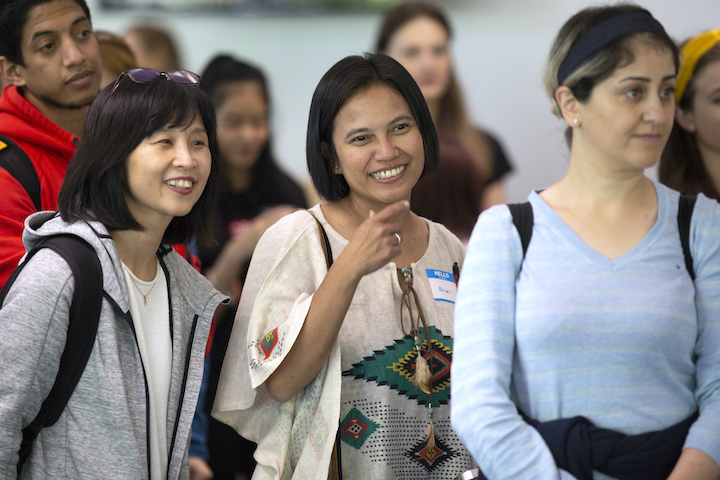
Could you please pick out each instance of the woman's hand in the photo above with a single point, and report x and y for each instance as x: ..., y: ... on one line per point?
x: 264, y: 221
x: 374, y: 243
x: 225, y: 272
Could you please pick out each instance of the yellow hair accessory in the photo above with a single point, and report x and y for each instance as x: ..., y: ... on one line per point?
x: 693, y: 50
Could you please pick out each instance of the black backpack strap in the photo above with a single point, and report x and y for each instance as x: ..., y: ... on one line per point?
x: 522, y: 215
x: 685, y: 211
x: 82, y: 329
x: 18, y: 165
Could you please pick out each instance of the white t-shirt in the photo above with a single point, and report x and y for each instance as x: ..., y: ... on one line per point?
x: 150, y: 312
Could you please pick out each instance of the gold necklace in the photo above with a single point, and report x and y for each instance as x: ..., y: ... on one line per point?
x: 144, y: 295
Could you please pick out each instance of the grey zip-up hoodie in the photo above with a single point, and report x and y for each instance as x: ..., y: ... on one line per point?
x: 103, y: 431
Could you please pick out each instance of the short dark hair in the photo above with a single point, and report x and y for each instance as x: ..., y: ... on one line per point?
x: 13, y: 16
x: 119, y: 119
x: 344, y: 79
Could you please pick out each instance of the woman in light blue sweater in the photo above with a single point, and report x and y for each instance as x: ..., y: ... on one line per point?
x: 599, y: 333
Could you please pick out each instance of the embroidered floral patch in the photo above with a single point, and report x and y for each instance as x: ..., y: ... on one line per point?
x: 268, y: 343
x: 356, y: 428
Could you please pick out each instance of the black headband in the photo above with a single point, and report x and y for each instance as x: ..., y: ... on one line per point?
x: 592, y: 42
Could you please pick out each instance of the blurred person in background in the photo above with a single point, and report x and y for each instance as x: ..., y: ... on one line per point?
x: 690, y: 162
x: 418, y: 36
x: 116, y: 56
x: 254, y: 194
x: 153, y: 47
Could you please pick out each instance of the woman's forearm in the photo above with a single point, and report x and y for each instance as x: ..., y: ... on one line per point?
x: 695, y: 465
x: 372, y: 245
x: 314, y: 343
x: 227, y: 266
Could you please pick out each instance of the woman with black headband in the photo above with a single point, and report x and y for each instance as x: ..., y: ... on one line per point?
x: 587, y: 344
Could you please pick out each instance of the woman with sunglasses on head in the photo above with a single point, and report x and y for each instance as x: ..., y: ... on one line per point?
x: 137, y: 183
x: 340, y: 300
x: 595, y: 353
x: 691, y: 160
x: 473, y: 166
x: 254, y: 194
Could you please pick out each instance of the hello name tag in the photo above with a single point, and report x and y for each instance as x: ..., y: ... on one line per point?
x: 442, y: 285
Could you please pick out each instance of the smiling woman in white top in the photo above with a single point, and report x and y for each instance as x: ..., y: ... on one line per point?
x: 137, y: 184
x: 357, y: 355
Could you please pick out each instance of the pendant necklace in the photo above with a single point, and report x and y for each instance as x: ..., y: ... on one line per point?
x: 144, y: 295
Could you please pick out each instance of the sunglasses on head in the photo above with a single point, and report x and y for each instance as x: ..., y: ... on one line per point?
x: 144, y: 75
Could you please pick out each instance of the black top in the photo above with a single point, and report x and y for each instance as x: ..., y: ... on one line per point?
x: 235, y: 210
x: 500, y: 163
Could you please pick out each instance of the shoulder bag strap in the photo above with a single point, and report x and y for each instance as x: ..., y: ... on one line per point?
x: 325, y: 243
x: 335, y: 472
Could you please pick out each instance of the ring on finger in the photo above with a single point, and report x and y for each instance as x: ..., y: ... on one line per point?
x: 397, y: 235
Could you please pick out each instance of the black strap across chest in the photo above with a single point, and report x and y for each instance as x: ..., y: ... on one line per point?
x: 522, y: 215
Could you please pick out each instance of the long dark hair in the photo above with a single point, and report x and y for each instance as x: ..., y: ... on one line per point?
x: 119, y: 119
x: 222, y: 71
x: 452, y: 117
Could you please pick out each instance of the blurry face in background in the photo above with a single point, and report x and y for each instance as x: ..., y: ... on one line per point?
x: 704, y: 119
x: 108, y: 76
x: 243, y: 124
x: 421, y: 46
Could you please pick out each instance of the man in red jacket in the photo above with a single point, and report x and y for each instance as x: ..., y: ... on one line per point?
x: 49, y: 56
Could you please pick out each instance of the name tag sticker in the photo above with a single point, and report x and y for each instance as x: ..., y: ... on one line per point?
x: 442, y: 285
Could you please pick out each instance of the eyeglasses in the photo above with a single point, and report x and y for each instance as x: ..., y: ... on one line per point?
x: 145, y: 75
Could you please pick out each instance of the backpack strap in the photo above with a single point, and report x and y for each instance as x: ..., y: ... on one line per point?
x: 522, y: 215
x: 18, y: 165
x: 82, y: 329
x: 685, y: 211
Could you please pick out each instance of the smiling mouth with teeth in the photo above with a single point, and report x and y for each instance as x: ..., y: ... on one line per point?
x: 388, y: 173
x: 179, y: 183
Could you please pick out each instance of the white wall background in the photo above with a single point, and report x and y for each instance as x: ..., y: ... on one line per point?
x: 499, y: 50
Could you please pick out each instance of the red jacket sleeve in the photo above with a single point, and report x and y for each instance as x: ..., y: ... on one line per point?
x: 16, y: 206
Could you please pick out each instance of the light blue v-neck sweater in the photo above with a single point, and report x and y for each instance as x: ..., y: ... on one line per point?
x: 628, y: 343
